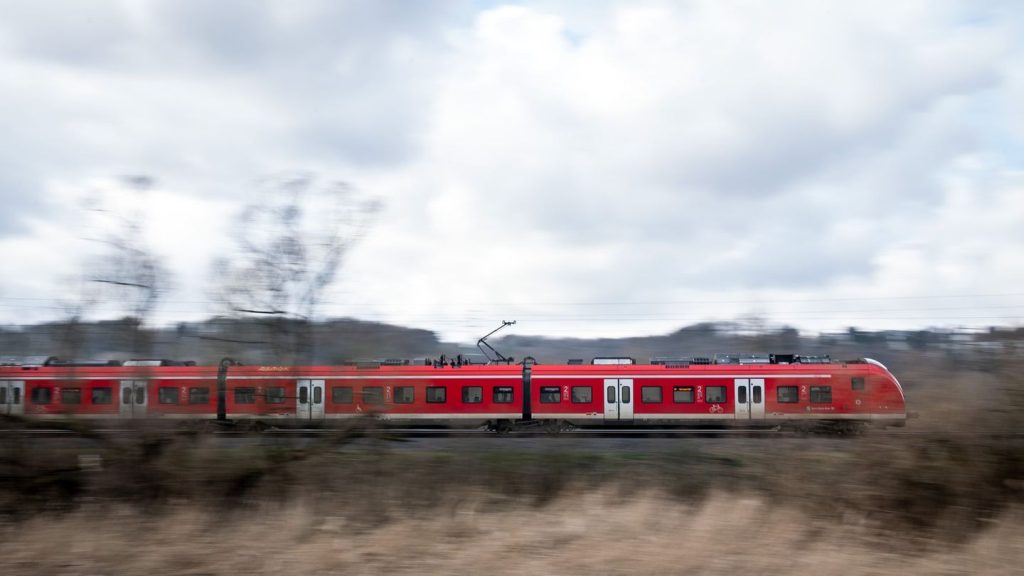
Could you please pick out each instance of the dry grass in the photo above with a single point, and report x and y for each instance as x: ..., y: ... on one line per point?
x: 599, y: 533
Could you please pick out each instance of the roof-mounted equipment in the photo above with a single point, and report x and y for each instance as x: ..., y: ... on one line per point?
x: 485, y: 347
x: 612, y: 360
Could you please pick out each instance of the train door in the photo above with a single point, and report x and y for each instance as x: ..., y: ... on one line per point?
x: 11, y: 394
x: 310, y: 402
x: 618, y: 400
x: 749, y: 398
x: 133, y: 399
x: 741, y: 388
x: 756, y: 398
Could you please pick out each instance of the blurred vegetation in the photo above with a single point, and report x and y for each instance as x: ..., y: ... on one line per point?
x: 951, y: 472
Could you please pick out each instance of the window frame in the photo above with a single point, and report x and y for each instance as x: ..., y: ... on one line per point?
x: 401, y: 391
x: 192, y: 394
x: 44, y: 391
x: 589, y: 394
x: 342, y: 390
x: 275, y: 395
x: 690, y: 389
x: 725, y: 394
x: 815, y: 394
x: 376, y: 396
x: 510, y: 390
x: 648, y: 388
x: 796, y: 394
x: 468, y: 399
x: 172, y: 390
x: 108, y: 390
x: 66, y: 392
x: 244, y: 395
x: 432, y: 393
x: 545, y: 393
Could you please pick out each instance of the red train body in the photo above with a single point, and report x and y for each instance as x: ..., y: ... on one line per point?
x: 501, y: 395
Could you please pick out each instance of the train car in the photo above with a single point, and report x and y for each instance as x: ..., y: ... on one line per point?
x: 399, y: 394
x: 678, y: 393
x: 766, y: 390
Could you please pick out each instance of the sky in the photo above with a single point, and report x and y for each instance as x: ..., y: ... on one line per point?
x: 591, y: 169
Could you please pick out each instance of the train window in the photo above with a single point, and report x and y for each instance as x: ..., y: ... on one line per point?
x: 199, y: 395
x: 821, y: 394
x: 503, y: 394
x: 140, y: 394
x: 341, y: 395
x: 682, y: 394
x: 42, y: 395
x: 126, y: 396
x: 102, y: 395
x: 582, y: 394
x: 611, y: 394
x: 437, y: 394
x: 857, y: 383
x: 70, y: 395
x: 787, y: 394
x: 625, y: 394
x: 246, y: 395
x: 373, y: 395
x: 3, y: 393
x: 318, y: 394
x: 472, y: 394
x: 715, y: 395
x: 275, y: 395
x: 550, y: 395
x: 303, y: 394
x: 741, y: 395
x: 756, y: 395
x: 650, y: 394
x: 404, y: 394
x: 166, y: 395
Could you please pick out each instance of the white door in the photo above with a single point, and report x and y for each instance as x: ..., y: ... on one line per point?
x: 310, y: 402
x: 626, y: 400
x: 618, y: 400
x: 756, y: 398
x: 611, y: 400
x: 316, y: 407
x: 133, y: 399
x: 302, y: 400
x: 741, y: 390
x: 11, y: 394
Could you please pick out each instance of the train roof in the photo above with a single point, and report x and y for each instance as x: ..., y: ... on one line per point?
x: 741, y: 359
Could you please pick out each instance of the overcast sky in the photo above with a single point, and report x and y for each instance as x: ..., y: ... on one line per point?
x: 587, y: 168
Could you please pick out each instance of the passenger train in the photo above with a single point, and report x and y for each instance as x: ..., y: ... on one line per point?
x: 752, y: 390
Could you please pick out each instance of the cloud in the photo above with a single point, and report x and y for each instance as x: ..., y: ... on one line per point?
x: 546, y: 151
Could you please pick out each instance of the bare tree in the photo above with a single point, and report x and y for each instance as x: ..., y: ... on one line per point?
x: 290, y: 244
x: 125, y: 277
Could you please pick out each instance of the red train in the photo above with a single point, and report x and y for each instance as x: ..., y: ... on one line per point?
x: 750, y: 391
